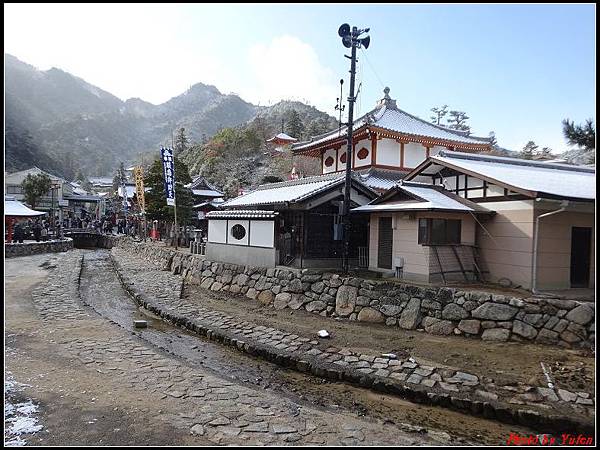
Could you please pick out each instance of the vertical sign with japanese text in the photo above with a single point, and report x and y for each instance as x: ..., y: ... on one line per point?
x: 169, y: 173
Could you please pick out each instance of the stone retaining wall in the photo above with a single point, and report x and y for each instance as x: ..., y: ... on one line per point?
x: 441, y: 311
x: 33, y: 248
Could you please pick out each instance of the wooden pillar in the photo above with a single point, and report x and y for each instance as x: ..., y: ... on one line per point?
x: 374, y: 150
x: 11, y: 222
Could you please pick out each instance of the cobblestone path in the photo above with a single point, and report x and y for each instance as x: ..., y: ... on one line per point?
x: 119, y: 371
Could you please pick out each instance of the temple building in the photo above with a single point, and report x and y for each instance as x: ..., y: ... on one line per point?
x: 388, y: 143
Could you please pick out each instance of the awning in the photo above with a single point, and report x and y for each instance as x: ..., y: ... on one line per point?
x: 14, y: 208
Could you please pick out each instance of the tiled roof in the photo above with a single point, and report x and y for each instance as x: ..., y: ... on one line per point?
x: 554, y: 179
x: 380, y: 179
x: 388, y: 117
x: 207, y: 193
x: 288, y: 191
x: 424, y: 197
x: 242, y: 214
x: 283, y: 137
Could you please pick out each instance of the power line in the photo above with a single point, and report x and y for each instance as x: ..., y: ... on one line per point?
x: 372, y: 68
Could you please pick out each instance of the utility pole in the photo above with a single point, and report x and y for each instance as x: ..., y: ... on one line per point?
x: 351, y: 39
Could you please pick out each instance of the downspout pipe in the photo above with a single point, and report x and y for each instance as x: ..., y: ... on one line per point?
x: 535, y: 243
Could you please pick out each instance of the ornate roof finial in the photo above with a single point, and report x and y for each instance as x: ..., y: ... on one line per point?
x: 387, y: 101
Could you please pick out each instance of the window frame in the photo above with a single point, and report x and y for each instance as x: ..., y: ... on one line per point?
x: 451, y: 234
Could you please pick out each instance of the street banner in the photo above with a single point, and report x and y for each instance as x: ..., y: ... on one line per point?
x: 169, y: 173
x: 138, y: 173
x: 124, y: 192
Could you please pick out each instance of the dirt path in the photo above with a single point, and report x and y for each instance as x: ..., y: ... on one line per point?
x: 505, y: 363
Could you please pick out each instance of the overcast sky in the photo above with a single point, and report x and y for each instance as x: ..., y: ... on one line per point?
x: 516, y: 70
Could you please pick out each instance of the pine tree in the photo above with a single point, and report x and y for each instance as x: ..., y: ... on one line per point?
x: 529, y: 151
x: 294, y: 126
x: 492, y: 138
x: 181, y: 142
x: 583, y: 136
x: 439, y: 114
x: 156, y: 204
x: 458, y: 121
x: 544, y: 153
x: 34, y: 187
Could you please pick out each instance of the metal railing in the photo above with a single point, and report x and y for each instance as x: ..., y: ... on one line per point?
x: 363, y: 257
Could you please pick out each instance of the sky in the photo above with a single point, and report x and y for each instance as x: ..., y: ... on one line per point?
x: 517, y: 70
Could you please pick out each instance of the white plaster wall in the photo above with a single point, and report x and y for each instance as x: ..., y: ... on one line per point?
x: 262, y: 233
x: 341, y: 151
x: 363, y: 162
x: 231, y: 239
x: 414, y: 154
x: 388, y: 152
x: 217, y: 231
x: 331, y: 152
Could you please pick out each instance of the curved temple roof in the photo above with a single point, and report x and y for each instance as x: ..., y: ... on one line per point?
x: 387, y: 116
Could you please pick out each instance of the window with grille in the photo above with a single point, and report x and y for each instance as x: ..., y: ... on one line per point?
x: 439, y: 231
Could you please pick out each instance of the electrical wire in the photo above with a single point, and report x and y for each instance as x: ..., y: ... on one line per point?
x: 372, y: 68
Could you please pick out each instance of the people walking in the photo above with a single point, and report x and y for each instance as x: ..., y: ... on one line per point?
x: 18, y: 233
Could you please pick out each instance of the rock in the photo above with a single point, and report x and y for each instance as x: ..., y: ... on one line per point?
x: 569, y: 337
x: 323, y: 334
x: 470, y: 326
x: 282, y: 300
x: 345, y: 300
x: 582, y: 315
x: 370, y: 315
x: 252, y: 293
x: 294, y: 286
x: 265, y: 297
x: 496, y: 334
x: 523, y: 329
x: 317, y: 306
x: 197, y: 430
x: 454, y: 312
x: 567, y: 396
x: 390, y: 310
x: 443, y: 327
x: 318, y: 287
x: 297, y: 301
x: 548, y: 394
x: 534, y: 319
x: 546, y: 336
x: 430, y: 304
x: 411, y: 316
x: 216, y: 286
x: 494, y: 311
x: 390, y: 321
x: 489, y: 396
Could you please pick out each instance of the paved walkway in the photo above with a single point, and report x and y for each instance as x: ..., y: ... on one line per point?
x: 97, y: 384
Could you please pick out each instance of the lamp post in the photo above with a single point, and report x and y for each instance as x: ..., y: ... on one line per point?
x: 351, y: 38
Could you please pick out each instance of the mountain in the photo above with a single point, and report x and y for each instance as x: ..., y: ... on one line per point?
x: 241, y: 157
x: 60, y: 122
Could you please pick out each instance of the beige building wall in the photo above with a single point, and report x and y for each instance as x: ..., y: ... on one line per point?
x: 508, y: 252
x: 554, y: 244
x: 405, y: 241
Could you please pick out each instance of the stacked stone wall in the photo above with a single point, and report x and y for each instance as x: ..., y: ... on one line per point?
x: 436, y: 310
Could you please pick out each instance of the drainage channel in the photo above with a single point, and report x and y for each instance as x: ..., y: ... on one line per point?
x: 101, y: 290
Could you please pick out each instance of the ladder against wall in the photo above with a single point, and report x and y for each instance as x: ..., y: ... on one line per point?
x: 455, y: 263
